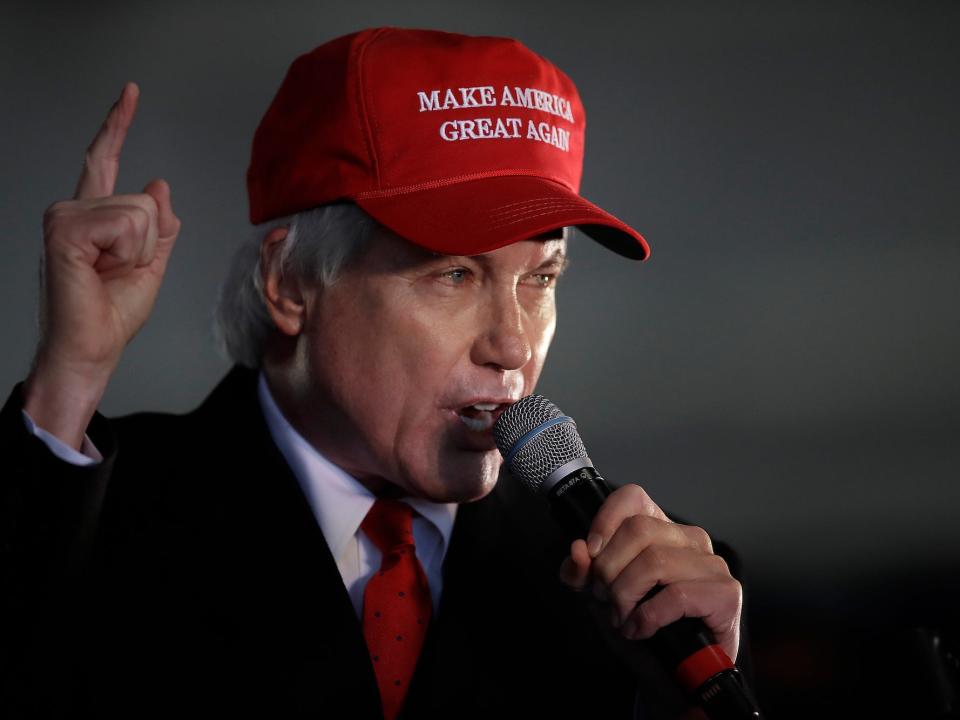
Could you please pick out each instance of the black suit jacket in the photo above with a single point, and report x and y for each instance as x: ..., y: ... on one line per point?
x: 187, y: 573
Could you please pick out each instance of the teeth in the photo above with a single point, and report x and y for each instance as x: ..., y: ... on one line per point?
x: 486, y: 406
x: 478, y: 424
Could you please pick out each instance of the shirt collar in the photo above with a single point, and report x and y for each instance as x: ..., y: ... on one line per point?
x: 338, y: 500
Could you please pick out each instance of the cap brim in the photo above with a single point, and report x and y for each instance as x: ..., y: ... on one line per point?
x: 477, y: 216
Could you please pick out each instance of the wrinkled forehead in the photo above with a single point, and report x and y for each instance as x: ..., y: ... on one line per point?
x: 390, y: 252
x: 550, y: 242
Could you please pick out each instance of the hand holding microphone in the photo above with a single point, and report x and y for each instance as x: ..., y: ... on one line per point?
x: 662, y: 579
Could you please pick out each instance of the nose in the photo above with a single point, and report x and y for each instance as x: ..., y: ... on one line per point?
x: 502, y: 341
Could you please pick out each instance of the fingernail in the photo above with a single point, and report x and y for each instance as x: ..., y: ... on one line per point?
x: 594, y: 543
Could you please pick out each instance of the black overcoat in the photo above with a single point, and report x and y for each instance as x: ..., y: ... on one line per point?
x: 187, y: 574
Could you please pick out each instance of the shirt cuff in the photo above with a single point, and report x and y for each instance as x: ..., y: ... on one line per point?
x: 88, y: 454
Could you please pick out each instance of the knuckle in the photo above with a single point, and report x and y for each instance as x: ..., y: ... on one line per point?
x: 700, y: 537
x: 731, y: 601
x: 55, y: 209
x: 639, y: 496
x: 721, y: 566
x: 635, y: 492
x: 141, y: 219
x: 735, y: 589
x: 638, y: 526
x: 56, y: 223
x: 133, y: 222
x: 149, y: 205
x: 52, y: 217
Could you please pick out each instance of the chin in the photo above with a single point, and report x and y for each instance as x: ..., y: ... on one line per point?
x: 462, y: 477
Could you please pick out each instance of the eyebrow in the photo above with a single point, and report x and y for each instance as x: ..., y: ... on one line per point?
x: 557, y: 257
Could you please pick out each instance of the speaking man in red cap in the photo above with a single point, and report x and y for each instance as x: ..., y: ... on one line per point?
x: 326, y: 535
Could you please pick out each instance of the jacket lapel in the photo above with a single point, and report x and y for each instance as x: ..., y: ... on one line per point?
x: 288, y: 609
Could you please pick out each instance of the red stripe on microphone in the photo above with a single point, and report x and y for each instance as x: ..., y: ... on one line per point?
x: 701, y: 666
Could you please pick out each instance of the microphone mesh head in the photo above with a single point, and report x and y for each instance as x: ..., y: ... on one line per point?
x: 520, y: 418
x: 545, y: 452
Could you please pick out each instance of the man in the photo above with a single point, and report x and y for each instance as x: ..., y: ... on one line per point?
x: 326, y: 535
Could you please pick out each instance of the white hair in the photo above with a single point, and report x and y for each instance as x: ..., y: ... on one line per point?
x: 319, y: 243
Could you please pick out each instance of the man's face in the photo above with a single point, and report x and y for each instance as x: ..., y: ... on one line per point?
x: 410, y: 356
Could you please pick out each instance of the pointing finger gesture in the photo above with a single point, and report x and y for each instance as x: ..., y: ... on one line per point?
x: 104, y: 259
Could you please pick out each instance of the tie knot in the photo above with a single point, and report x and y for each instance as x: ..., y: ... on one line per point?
x: 389, y: 524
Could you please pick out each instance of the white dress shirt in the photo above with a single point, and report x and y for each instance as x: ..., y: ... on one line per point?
x: 339, y: 503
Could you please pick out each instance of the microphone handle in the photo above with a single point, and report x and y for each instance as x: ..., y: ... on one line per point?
x: 687, y: 647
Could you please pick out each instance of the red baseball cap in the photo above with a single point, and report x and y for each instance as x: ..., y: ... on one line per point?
x: 459, y: 144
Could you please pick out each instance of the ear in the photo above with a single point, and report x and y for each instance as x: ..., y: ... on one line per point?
x: 282, y: 293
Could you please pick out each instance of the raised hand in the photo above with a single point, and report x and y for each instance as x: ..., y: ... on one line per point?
x: 104, y: 259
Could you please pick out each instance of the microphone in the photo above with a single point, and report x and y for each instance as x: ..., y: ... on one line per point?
x: 542, y: 448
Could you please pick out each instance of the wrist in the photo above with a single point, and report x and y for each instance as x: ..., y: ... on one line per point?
x: 62, y: 398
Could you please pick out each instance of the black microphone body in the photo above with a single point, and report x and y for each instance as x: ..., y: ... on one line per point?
x: 541, y: 446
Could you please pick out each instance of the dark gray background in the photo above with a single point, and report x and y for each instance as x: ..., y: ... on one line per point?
x: 783, y: 370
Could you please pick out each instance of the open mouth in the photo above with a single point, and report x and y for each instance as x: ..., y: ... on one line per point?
x: 480, y: 416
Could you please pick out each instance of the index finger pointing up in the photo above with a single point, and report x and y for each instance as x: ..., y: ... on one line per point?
x: 102, y: 162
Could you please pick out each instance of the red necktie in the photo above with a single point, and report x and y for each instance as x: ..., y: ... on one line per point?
x: 396, y: 602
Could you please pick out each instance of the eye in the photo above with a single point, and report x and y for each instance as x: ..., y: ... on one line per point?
x: 457, y: 276
x: 544, y: 280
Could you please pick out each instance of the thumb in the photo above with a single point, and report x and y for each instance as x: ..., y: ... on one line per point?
x: 168, y: 224
x: 575, y: 568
